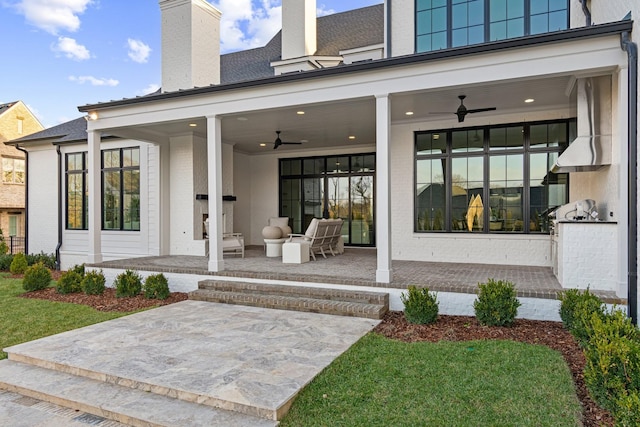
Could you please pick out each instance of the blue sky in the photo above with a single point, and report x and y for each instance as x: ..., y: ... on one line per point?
x: 58, y: 54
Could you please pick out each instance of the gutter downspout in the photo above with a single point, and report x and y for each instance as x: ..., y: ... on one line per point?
x: 59, y: 245
x: 388, y: 49
x: 26, y: 198
x: 632, y: 140
x: 587, y: 12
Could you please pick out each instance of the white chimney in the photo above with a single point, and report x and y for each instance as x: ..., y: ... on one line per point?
x: 298, y: 28
x: 190, y: 44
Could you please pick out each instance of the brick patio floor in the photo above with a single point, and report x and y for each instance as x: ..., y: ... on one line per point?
x: 357, y: 266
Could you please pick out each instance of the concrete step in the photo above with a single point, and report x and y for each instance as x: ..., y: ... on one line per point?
x: 372, y: 305
x: 126, y: 405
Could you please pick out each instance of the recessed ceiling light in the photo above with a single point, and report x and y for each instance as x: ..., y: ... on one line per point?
x: 300, y: 113
x: 242, y: 119
x: 436, y: 136
x: 263, y: 145
x: 529, y: 100
x: 352, y: 137
x: 304, y: 140
x: 409, y: 113
x: 193, y: 125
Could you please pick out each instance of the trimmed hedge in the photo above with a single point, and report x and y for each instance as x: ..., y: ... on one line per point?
x: 420, y: 305
x: 156, y: 286
x: 93, y: 282
x: 128, y: 284
x: 69, y: 283
x: 36, y: 277
x: 496, y: 304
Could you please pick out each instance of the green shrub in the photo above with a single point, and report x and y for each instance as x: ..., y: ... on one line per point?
x: 4, y: 248
x: 93, y: 283
x: 579, y: 308
x: 19, y: 264
x: 613, y: 358
x: 36, y: 277
x: 156, y: 286
x: 70, y: 282
x: 5, y: 262
x: 420, y: 305
x: 496, y: 304
x: 79, y: 268
x: 49, y: 260
x: 627, y: 412
x: 128, y: 284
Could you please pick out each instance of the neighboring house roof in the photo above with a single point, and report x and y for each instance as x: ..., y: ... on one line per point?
x: 341, y: 31
x: 74, y: 130
x: 5, y: 107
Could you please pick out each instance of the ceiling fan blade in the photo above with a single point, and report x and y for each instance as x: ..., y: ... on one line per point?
x: 479, y: 110
x: 291, y: 143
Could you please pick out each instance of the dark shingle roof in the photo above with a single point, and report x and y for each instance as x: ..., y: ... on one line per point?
x: 341, y: 31
x: 5, y: 107
x: 74, y: 130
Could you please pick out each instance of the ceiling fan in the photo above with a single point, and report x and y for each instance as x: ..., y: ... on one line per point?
x: 462, y: 111
x: 278, y: 142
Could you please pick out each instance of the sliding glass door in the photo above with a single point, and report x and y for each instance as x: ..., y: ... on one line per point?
x: 331, y: 187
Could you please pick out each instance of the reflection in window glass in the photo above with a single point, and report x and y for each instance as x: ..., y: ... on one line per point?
x: 121, y: 189
x: 486, y: 186
x: 77, y: 192
x: 430, y: 195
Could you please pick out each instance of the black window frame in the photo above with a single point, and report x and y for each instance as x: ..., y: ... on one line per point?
x: 83, y: 172
x: 121, y: 169
x: 486, y: 153
x: 486, y: 23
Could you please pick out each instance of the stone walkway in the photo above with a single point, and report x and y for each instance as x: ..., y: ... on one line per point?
x: 246, y: 360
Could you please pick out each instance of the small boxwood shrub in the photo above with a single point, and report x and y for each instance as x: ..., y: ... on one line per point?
x: 496, y: 304
x: 49, y: 260
x: 156, y: 286
x: 19, y: 264
x: 628, y: 409
x: 5, y: 262
x: 613, y: 358
x: 128, y: 284
x: 70, y: 282
x: 93, y: 282
x: 576, y: 310
x: 36, y: 277
x: 79, y: 268
x: 420, y: 305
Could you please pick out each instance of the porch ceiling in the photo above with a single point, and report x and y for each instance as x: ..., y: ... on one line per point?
x: 329, y: 125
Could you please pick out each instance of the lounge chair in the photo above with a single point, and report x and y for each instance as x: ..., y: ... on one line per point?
x: 321, y: 235
x: 231, y: 242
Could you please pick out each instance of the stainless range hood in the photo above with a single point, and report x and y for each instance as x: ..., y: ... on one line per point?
x: 591, y: 150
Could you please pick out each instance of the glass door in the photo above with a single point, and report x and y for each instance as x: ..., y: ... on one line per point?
x: 331, y: 187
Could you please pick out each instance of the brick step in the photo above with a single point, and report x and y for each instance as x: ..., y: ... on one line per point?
x: 126, y: 405
x: 297, y: 291
x: 294, y: 303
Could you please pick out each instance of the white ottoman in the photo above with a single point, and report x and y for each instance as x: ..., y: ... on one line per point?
x: 274, y: 247
x: 295, y: 252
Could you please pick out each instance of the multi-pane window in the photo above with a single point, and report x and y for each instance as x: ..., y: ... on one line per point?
x: 442, y: 24
x: 13, y: 170
x: 490, y: 179
x: 121, y: 189
x: 77, y: 191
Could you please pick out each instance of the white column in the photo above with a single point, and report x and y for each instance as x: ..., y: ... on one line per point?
x: 214, y: 170
x: 383, y: 189
x: 95, y: 198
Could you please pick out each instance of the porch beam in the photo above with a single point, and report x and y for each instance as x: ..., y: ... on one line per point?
x: 383, y: 190
x: 95, y: 199
x: 214, y: 177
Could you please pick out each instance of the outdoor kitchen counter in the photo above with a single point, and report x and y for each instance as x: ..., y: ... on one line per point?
x: 587, y: 254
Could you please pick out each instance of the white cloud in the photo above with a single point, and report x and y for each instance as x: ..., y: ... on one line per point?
x: 53, y: 16
x: 138, y: 51
x: 71, y: 49
x: 149, y: 89
x: 246, y: 24
x: 323, y: 11
x: 94, y: 81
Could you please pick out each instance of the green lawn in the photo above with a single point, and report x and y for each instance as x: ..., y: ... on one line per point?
x: 380, y: 382
x: 23, y: 319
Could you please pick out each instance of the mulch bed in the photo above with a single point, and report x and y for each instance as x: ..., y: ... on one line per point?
x: 107, y: 301
x: 463, y: 328
x: 395, y: 326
